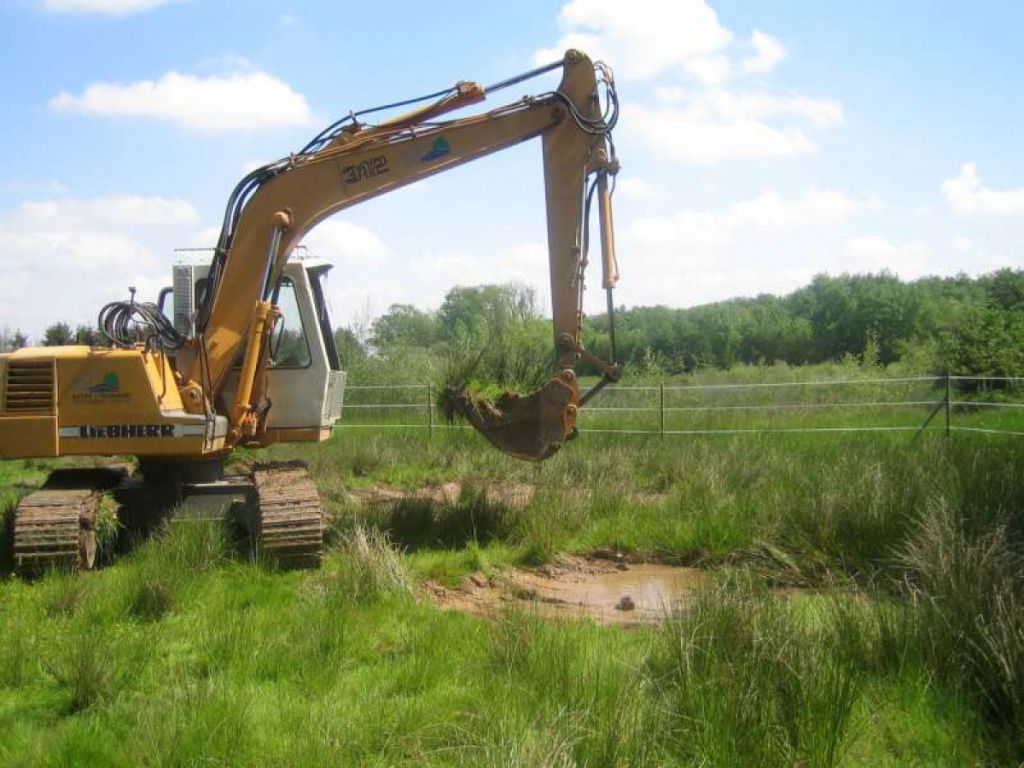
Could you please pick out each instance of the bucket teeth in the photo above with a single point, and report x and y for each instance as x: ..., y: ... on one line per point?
x: 289, y: 527
x: 55, y: 529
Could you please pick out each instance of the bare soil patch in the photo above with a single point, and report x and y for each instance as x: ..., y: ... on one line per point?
x: 610, y: 591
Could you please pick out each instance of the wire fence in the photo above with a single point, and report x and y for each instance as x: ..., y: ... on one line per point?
x: 984, y: 404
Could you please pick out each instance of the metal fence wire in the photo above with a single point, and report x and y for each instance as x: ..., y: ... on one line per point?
x: 986, y: 404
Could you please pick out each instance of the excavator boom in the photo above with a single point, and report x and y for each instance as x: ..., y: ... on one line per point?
x: 276, y: 206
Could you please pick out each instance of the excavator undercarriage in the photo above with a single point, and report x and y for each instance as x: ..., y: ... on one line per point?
x: 275, y: 504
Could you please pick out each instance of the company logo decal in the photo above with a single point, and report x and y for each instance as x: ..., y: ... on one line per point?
x: 438, y: 149
x: 108, y: 388
x: 129, y: 431
x: 108, y: 385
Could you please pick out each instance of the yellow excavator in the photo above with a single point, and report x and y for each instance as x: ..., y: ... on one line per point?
x: 181, y: 392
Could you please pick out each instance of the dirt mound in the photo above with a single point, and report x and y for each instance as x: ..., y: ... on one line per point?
x: 610, y: 591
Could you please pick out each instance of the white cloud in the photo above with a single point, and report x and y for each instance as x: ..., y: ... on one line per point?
x: 520, y: 262
x: 721, y: 125
x: 100, y: 212
x: 241, y: 101
x: 767, y: 243
x: 767, y: 213
x: 345, y: 244
x: 768, y: 52
x: 69, y: 256
x: 670, y: 94
x: 642, y: 38
x: 966, y: 194
x: 874, y: 253
x: 634, y: 188
x: 693, y: 63
x: 371, y: 276
x: 961, y: 244
x: 710, y: 70
x: 106, y: 7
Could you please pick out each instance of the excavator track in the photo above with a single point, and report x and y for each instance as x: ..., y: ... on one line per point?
x: 54, y: 529
x: 289, y: 521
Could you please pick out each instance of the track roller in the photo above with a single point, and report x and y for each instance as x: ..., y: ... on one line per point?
x: 288, y: 521
x: 55, y: 529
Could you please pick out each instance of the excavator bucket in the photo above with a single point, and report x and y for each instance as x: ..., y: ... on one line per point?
x: 531, y: 427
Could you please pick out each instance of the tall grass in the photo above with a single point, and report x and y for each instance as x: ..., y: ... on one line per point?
x: 370, y: 567
x: 968, y: 588
x: 749, y: 683
x: 185, y: 652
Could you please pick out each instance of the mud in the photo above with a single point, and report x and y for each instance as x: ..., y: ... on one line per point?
x: 609, y: 591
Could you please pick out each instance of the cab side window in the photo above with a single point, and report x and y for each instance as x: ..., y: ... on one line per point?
x: 288, y: 346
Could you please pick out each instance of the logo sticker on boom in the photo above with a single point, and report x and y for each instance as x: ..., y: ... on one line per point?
x: 438, y: 149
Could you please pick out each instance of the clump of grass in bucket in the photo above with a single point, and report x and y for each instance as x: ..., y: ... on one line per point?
x: 479, y: 380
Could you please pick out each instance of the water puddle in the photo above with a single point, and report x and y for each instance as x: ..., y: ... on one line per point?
x: 572, y: 587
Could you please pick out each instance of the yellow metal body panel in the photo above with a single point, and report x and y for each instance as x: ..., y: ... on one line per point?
x: 28, y: 436
x: 104, y: 402
x: 115, y: 384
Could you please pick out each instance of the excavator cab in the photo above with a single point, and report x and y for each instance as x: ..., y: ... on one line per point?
x: 305, y: 385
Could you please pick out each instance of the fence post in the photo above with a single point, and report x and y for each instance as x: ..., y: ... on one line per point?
x: 949, y: 411
x: 430, y: 409
x: 662, y: 410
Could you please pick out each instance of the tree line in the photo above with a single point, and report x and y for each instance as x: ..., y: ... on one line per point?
x: 966, y: 325
x: 56, y: 335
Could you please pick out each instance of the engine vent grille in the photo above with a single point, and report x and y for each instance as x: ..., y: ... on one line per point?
x: 29, y: 386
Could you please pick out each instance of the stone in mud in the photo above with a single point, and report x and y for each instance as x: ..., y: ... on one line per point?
x: 625, y: 604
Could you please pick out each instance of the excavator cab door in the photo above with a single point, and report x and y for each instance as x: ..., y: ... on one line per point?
x: 305, y: 383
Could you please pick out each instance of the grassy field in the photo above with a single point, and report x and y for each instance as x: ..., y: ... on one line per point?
x: 903, y: 646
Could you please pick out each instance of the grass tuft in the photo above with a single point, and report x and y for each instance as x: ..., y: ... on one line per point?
x: 969, y: 589
x: 88, y: 671
x: 154, y: 598
x: 370, y: 568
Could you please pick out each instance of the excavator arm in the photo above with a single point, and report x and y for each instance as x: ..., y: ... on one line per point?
x: 274, y: 207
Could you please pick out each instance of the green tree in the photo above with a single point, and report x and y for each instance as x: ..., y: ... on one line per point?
x: 88, y: 336
x: 404, y: 324
x: 494, y: 334
x: 350, y: 350
x: 989, y: 341
x: 480, y: 311
x: 57, y: 335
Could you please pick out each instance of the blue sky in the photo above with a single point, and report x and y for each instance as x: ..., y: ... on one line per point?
x: 761, y: 143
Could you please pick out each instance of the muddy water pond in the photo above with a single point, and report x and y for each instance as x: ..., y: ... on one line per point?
x: 572, y: 587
